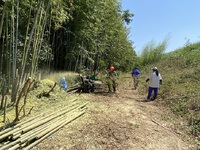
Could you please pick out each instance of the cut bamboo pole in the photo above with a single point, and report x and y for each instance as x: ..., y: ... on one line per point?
x: 39, y: 129
x: 48, y: 119
x: 40, y: 134
x: 27, y: 127
x: 16, y: 129
x: 50, y: 128
x: 51, y: 132
x: 25, y: 133
x: 15, y: 133
x: 25, y: 139
x: 17, y: 146
x: 6, y: 147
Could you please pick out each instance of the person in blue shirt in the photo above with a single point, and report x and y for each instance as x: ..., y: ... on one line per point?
x: 135, y: 73
x: 64, y: 83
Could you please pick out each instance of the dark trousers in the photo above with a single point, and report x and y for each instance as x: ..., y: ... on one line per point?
x: 151, y: 89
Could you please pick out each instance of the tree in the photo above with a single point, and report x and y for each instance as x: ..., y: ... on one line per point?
x: 127, y: 16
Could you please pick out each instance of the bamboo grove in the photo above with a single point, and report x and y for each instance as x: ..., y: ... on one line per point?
x: 60, y: 35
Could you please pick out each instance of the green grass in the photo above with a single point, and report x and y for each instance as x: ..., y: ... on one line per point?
x: 180, y: 71
x: 58, y: 97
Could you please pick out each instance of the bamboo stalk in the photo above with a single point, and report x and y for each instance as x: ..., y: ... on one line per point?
x: 26, y: 49
x: 14, y: 86
x: 17, y: 146
x: 35, y: 44
x: 19, y: 125
x: 40, y: 132
x: 42, y: 35
x: 16, y: 44
x: 26, y: 134
x: 68, y: 119
x: 2, y: 19
x: 5, y: 147
x: 35, y: 123
x: 35, y: 130
x: 5, y: 106
x: 48, y: 119
x: 51, y: 132
x: 3, y: 91
x: 28, y: 138
x: 75, y: 102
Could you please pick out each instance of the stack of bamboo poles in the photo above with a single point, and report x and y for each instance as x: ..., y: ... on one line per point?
x: 29, y: 133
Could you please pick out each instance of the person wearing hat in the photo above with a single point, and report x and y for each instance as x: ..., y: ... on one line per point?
x: 154, y: 80
x: 111, y: 79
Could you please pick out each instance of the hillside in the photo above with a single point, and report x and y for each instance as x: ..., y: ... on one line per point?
x: 180, y: 70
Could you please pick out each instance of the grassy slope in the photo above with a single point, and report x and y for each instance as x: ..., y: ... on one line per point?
x: 180, y: 71
x: 58, y: 97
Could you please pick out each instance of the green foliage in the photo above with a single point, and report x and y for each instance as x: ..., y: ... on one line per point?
x: 189, y: 55
x: 61, y: 12
x: 153, y: 53
x: 180, y: 89
x: 99, y: 29
x: 127, y: 16
x: 63, y: 35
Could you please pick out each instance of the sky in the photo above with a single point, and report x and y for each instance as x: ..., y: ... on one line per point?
x: 154, y: 20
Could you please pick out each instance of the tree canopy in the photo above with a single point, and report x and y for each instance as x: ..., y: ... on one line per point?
x: 63, y: 35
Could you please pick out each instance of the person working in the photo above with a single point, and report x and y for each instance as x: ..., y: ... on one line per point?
x: 135, y: 73
x: 112, y: 77
x: 154, y: 80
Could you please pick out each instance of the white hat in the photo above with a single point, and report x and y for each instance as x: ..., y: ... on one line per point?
x: 154, y: 68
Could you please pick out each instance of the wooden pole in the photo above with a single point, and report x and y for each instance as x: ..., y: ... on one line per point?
x: 52, y: 131
x: 45, y: 129
x: 5, y: 107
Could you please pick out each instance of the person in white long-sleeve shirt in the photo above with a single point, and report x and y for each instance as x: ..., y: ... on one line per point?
x: 154, y: 80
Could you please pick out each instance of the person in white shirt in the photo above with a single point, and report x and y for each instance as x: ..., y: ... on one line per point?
x: 154, y: 80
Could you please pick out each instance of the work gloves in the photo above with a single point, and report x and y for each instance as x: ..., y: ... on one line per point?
x: 161, y: 82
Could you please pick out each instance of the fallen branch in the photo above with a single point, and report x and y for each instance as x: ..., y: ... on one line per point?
x: 26, y: 93
x: 165, y: 127
x: 46, y: 94
x: 22, y: 93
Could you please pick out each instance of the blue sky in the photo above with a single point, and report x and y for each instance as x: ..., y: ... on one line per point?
x: 156, y: 19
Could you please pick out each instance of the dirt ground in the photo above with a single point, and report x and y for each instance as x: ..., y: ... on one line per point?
x: 121, y: 121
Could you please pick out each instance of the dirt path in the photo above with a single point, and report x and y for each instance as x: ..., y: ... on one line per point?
x: 119, y: 121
